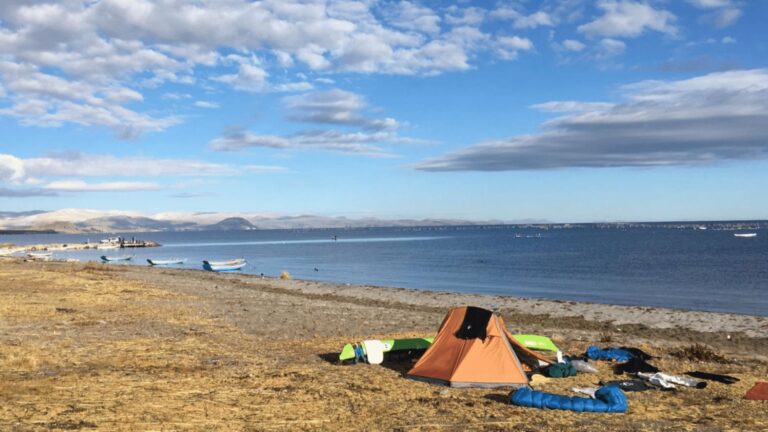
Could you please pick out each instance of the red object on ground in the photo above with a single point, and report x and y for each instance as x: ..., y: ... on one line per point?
x: 759, y: 391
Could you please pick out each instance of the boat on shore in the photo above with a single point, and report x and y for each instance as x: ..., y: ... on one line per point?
x: 116, y: 258
x: 224, y: 266
x: 225, y: 262
x: 745, y: 235
x: 173, y: 261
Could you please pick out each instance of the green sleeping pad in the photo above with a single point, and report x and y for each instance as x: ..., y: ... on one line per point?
x: 536, y: 342
x: 348, y: 352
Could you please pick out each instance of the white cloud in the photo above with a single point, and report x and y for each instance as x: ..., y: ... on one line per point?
x: 573, y: 45
x: 471, y: 16
x: 25, y: 193
x: 335, y: 106
x: 206, y: 104
x: 727, y: 40
x: 74, y: 164
x: 707, y: 4
x: 88, y: 62
x: 81, y: 186
x: 23, y: 173
x: 12, y: 169
x: 508, y: 47
x: 624, y: 18
x: 702, y: 120
x: 358, y: 143
x: 522, y: 21
x: 572, y: 106
x: 726, y: 17
x: 410, y: 16
x: 610, y: 48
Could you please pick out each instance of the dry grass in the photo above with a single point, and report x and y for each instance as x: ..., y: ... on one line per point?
x: 82, y: 348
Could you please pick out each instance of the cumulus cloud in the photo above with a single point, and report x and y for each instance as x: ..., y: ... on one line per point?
x: 610, y: 48
x: 88, y: 62
x: 335, y: 106
x: 573, y: 45
x: 702, y: 120
x: 411, y: 16
x: 471, y: 16
x: 624, y: 18
x: 520, y: 20
x: 507, y: 47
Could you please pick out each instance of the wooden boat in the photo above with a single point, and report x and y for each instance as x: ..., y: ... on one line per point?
x: 745, y: 235
x: 172, y: 261
x: 224, y: 267
x: 226, y: 262
x: 117, y: 258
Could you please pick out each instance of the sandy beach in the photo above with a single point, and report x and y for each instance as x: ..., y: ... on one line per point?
x: 92, y: 346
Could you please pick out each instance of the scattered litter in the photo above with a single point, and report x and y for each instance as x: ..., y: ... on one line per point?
x: 583, y: 366
x: 668, y: 381
x: 630, y: 385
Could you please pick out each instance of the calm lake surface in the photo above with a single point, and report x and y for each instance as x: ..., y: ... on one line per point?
x: 689, y: 269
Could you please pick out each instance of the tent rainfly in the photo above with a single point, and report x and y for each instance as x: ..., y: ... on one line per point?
x: 474, y: 349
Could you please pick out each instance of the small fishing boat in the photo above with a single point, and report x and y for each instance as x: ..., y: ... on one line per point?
x: 226, y: 262
x: 745, y: 235
x: 116, y: 258
x: 40, y: 255
x: 172, y: 261
x: 210, y: 266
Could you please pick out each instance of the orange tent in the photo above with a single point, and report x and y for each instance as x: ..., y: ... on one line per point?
x: 474, y: 349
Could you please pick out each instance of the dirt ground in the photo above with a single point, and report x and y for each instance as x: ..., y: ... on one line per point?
x: 91, y: 346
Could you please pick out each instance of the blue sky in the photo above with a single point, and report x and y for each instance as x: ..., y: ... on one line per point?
x: 559, y: 110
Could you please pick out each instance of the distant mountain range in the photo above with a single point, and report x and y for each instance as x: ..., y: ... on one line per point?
x: 97, y: 221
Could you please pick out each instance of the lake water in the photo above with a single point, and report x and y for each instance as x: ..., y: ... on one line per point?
x: 702, y: 270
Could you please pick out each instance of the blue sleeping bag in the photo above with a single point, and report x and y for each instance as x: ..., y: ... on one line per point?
x: 618, y: 354
x: 608, y: 399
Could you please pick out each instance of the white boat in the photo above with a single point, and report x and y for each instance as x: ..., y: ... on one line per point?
x: 745, y: 235
x: 40, y: 255
x: 224, y: 268
x: 172, y: 261
x: 108, y: 246
x: 225, y: 263
x: 116, y: 258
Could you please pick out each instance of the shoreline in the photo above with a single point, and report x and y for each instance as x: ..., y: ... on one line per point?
x: 618, y: 314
